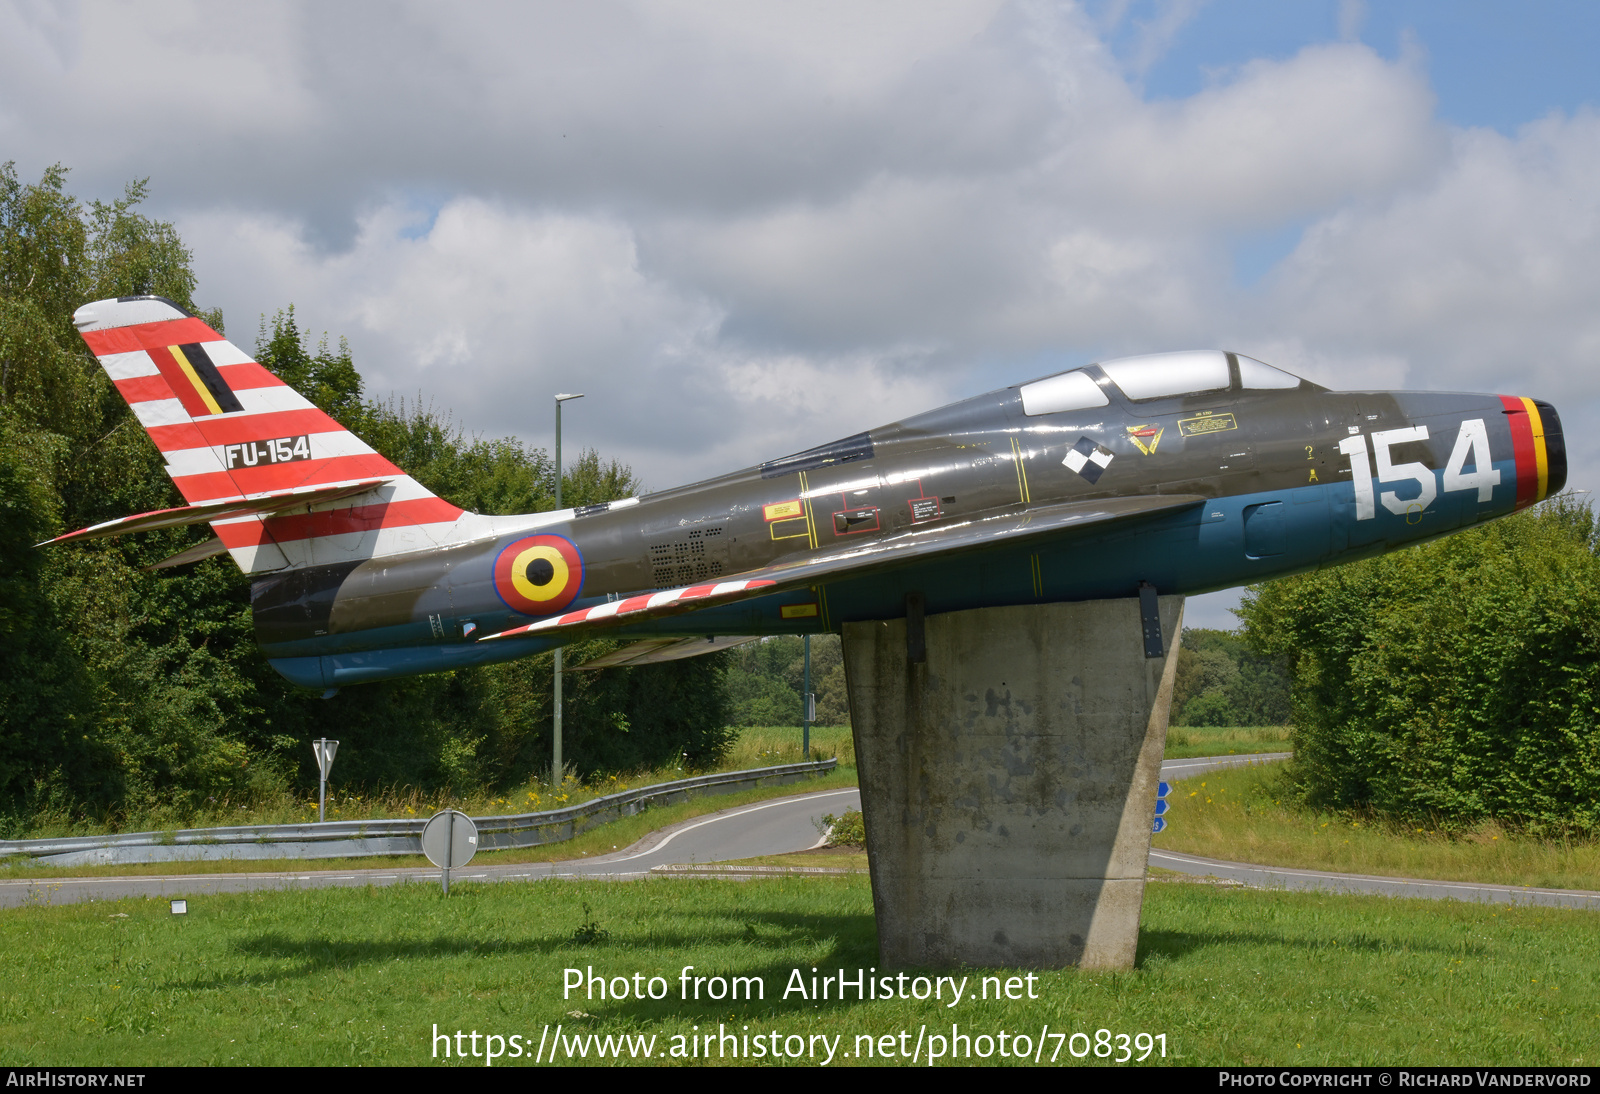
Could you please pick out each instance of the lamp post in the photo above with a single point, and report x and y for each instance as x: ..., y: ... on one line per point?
x: 808, y: 712
x: 557, y: 770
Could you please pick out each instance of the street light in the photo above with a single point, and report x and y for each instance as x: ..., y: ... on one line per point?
x: 558, y: 771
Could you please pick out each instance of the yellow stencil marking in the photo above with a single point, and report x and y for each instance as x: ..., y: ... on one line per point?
x: 781, y: 509
x: 798, y: 611
x: 200, y: 388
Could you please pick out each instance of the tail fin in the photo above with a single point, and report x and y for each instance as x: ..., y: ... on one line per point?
x: 234, y: 433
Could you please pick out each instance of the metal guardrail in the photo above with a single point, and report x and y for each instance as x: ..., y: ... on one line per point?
x: 355, y: 839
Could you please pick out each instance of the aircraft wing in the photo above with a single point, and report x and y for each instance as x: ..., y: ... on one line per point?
x: 257, y: 505
x: 859, y: 560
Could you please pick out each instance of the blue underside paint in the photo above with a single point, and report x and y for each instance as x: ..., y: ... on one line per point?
x: 1221, y: 544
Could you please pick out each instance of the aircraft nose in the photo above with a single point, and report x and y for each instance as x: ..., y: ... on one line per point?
x: 1555, y: 445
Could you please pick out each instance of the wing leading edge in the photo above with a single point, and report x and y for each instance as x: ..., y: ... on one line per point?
x: 254, y: 505
x: 858, y: 561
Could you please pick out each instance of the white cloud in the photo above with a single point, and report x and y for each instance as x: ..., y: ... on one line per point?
x: 1283, y: 139
x: 1486, y: 275
x: 749, y: 228
x: 493, y: 309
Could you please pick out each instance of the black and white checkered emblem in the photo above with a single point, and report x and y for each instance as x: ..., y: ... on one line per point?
x: 1089, y: 459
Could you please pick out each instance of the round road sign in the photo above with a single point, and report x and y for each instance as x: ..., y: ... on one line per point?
x: 449, y: 839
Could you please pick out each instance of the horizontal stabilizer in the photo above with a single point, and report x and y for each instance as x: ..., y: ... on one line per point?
x: 209, y: 549
x: 653, y: 651
x: 978, y: 534
x: 259, y: 505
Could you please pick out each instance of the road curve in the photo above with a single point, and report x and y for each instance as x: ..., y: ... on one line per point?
x: 764, y: 828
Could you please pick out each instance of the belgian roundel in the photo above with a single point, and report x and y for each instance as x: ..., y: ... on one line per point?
x: 538, y: 575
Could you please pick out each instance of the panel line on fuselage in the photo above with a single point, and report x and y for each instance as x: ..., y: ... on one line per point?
x: 1022, y: 473
x: 811, y: 519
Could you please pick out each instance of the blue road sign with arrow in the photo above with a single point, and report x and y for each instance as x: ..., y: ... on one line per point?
x: 1162, y: 790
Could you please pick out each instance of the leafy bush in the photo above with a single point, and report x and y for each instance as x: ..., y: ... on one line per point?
x: 849, y: 830
x: 1459, y: 679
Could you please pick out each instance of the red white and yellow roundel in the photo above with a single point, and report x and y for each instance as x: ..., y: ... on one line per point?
x: 538, y: 575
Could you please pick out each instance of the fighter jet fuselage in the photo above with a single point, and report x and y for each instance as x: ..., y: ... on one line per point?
x: 1177, y: 472
x: 1187, y: 472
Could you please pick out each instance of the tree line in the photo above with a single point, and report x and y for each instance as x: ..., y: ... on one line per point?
x: 124, y: 692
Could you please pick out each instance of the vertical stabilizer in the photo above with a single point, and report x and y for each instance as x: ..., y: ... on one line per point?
x: 229, y: 429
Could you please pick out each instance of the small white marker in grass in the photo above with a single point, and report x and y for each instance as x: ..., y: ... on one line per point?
x: 180, y: 907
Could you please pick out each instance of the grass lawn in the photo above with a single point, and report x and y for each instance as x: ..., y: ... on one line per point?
x: 338, y: 976
x: 1185, y: 742
x: 1241, y: 814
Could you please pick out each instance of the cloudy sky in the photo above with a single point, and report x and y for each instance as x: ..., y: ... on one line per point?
x: 744, y: 228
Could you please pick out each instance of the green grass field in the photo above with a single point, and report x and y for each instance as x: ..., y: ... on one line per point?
x: 1242, y: 815
x: 1184, y: 742
x: 1224, y: 975
x: 338, y: 976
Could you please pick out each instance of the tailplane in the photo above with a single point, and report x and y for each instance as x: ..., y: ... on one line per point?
x: 280, y: 482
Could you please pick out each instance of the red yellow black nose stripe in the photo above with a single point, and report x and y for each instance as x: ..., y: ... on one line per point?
x: 1528, y: 448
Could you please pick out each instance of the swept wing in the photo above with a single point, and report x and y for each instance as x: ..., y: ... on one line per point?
x: 858, y: 561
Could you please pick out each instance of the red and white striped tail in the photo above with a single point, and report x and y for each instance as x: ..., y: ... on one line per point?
x: 229, y: 429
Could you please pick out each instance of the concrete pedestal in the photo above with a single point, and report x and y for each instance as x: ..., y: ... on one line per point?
x: 1009, y: 780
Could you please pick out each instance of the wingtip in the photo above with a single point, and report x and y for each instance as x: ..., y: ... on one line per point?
x: 125, y: 311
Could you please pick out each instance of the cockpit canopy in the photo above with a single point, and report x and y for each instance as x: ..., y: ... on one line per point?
x: 1154, y: 376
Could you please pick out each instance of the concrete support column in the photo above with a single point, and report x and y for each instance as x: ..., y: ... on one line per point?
x: 1009, y: 780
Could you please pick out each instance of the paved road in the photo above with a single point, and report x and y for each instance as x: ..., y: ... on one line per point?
x: 1277, y: 877
x: 766, y: 828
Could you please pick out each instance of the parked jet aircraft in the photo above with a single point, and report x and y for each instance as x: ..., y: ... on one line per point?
x: 1188, y: 472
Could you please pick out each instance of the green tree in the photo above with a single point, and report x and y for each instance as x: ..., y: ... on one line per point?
x: 328, y: 379
x: 764, y: 681
x: 125, y: 692
x: 1220, y: 681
